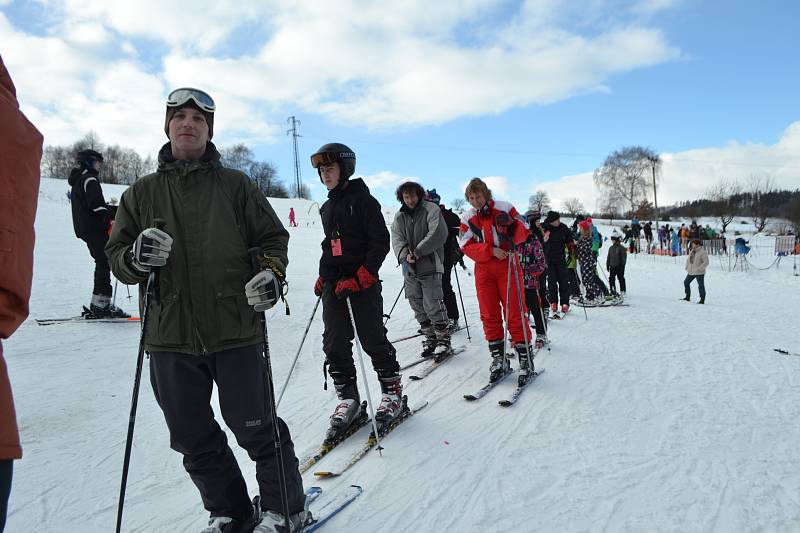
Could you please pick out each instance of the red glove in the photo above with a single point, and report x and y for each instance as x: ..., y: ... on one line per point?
x: 365, y: 278
x: 345, y: 287
x: 318, y: 286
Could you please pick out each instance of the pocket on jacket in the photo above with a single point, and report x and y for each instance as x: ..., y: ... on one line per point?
x: 171, y: 326
x: 231, y: 319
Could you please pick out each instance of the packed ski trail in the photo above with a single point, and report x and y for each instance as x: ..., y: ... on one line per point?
x: 662, y: 415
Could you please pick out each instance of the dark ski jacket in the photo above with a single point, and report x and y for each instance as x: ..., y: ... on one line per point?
x: 452, y: 251
x: 560, y: 236
x: 352, y: 215
x: 91, y: 215
x: 617, y: 256
x: 214, y: 214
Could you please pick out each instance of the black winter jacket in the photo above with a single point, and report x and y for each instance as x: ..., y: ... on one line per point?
x: 91, y: 215
x: 452, y: 251
x: 354, y: 216
x: 560, y: 236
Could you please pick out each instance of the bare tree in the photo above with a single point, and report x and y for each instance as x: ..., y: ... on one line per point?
x: 760, y: 208
x: 238, y: 157
x: 625, y: 174
x: 539, y: 201
x: 265, y: 176
x: 722, y: 195
x: 572, y: 206
x: 609, y: 206
x: 458, y: 203
x: 792, y: 213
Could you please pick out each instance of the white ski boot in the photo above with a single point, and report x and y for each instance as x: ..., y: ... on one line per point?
x: 392, y: 400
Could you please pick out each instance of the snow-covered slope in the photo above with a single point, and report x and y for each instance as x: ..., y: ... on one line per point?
x: 660, y: 416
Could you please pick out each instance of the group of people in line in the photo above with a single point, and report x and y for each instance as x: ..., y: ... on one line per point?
x: 672, y: 241
x: 196, y: 223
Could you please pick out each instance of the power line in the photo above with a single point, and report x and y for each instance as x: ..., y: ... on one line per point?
x: 298, y: 189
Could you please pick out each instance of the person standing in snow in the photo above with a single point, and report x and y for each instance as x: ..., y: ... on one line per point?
x: 206, y: 326
x: 356, y: 244
x: 696, y: 264
x: 452, y: 255
x: 615, y: 264
x: 534, y: 263
x: 91, y: 219
x: 648, y: 236
x: 292, y: 221
x: 490, y: 232
x: 588, y: 262
x: 559, y: 239
x: 19, y: 179
x: 418, y: 236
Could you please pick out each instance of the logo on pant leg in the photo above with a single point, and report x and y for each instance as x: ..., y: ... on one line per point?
x: 252, y: 423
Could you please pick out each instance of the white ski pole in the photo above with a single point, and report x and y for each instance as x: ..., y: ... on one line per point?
x: 297, y: 355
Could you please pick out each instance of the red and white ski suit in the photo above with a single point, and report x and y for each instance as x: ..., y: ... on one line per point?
x: 479, y: 234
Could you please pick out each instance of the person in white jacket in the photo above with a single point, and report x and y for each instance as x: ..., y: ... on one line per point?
x: 696, y: 263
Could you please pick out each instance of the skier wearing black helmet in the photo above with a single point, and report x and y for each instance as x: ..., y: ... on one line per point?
x: 91, y: 219
x: 355, y: 246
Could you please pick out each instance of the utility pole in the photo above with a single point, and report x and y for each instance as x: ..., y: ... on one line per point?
x: 298, y: 188
x: 654, y: 161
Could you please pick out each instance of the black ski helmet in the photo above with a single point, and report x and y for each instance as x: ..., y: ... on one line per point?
x: 87, y: 157
x: 336, y: 152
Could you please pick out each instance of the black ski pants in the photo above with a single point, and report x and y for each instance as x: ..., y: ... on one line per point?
x: 532, y: 301
x: 450, y: 301
x: 557, y: 282
x: 102, y: 272
x: 617, y: 272
x: 182, y: 385
x: 337, y: 339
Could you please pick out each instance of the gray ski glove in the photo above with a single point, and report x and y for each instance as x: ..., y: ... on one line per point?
x: 263, y: 290
x: 151, y: 249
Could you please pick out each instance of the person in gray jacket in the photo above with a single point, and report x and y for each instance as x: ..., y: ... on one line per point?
x: 696, y: 264
x: 418, y: 236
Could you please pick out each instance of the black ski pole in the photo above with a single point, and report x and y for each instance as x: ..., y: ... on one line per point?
x: 269, y: 399
x: 463, y: 311
x: 394, y: 304
x: 114, y: 298
x: 150, y: 293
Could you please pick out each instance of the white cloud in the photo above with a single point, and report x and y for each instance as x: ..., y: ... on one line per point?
x: 688, y: 175
x: 386, y: 179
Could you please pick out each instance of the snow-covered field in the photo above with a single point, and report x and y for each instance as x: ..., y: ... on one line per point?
x: 660, y: 416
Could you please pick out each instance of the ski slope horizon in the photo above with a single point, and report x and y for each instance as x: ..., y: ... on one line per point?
x: 660, y: 416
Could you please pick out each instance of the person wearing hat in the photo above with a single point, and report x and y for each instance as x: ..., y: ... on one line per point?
x: 196, y: 222
x: 355, y: 245
x: 534, y: 263
x: 588, y: 262
x: 559, y: 240
x: 91, y: 219
x: 615, y: 264
x: 452, y: 255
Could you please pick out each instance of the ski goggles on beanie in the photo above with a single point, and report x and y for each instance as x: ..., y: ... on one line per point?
x: 202, y: 100
x: 327, y: 158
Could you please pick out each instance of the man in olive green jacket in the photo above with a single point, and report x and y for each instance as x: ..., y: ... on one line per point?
x: 203, y: 326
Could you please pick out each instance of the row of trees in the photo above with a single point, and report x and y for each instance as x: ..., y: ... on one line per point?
x: 123, y: 165
x: 120, y: 164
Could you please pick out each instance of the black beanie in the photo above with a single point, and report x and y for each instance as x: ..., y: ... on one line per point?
x: 551, y: 216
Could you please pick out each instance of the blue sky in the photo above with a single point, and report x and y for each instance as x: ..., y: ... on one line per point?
x: 527, y: 94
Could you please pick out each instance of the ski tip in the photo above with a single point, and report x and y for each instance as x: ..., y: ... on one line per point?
x: 505, y: 403
x: 325, y: 475
x: 358, y: 488
x: 414, y: 378
x: 313, y: 490
x: 470, y: 397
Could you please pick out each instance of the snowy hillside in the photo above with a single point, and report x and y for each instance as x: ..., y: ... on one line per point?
x: 660, y: 416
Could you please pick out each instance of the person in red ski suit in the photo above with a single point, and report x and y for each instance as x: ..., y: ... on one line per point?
x: 488, y: 233
x: 292, y: 220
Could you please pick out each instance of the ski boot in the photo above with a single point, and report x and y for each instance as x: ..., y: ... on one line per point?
x: 564, y: 309
x: 226, y: 524
x: 392, y: 400
x: 272, y: 522
x: 443, y: 346
x: 525, y: 362
x: 541, y: 342
x: 453, y: 325
x: 429, y: 343
x: 347, y: 411
x: 500, y: 365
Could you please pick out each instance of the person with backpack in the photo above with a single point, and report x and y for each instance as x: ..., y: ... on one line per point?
x: 534, y: 263
x: 452, y: 255
x: 559, y: 242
